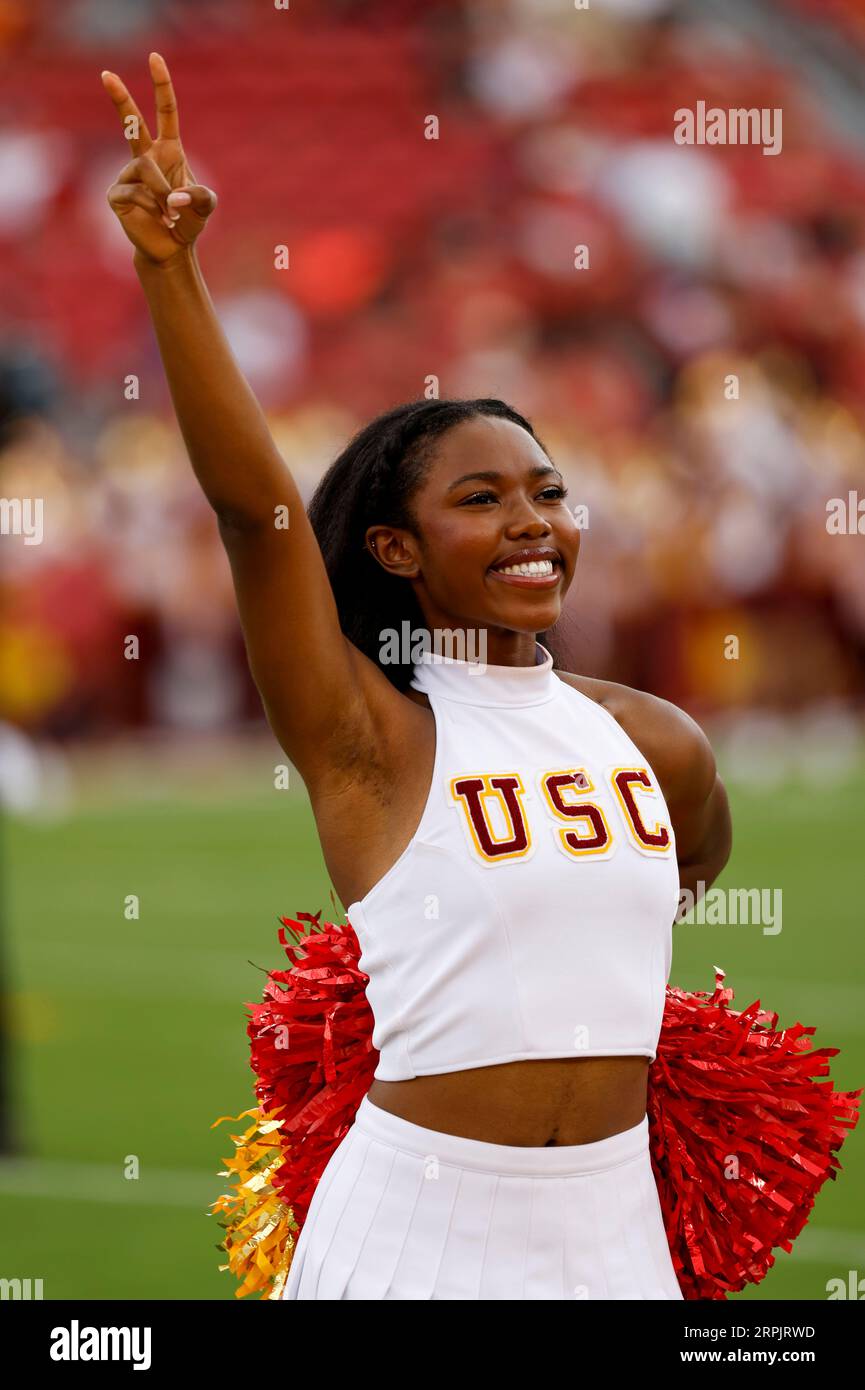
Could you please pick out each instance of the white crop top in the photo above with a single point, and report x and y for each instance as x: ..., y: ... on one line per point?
x: 531, y: 914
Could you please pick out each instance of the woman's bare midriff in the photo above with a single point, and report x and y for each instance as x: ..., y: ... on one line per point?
x: 570, y: 1100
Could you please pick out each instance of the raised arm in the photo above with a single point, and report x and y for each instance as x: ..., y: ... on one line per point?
x: 318, y: 689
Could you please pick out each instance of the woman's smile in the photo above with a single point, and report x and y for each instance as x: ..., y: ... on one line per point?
x: 547, y: 578
x: 534, y: 567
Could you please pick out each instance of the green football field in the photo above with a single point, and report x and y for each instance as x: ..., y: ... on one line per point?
x: 128, y: 1036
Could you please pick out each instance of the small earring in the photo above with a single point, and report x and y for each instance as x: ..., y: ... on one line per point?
x: 372, y: 543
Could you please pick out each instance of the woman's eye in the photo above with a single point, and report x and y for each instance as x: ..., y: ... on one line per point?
x: 555, y: 488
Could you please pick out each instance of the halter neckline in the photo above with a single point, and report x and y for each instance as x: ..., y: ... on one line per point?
x: 480, y: 683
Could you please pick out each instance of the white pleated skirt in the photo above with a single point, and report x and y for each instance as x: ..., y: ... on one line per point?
x: 404, y: 1212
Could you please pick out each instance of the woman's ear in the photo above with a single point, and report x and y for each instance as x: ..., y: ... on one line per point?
x: 394, y: 551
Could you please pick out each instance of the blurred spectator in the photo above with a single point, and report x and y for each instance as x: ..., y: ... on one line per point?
x: 700, y: 378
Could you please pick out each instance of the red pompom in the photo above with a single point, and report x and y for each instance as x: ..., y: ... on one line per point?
x: 311, y: 1050
x: 742, y: 1136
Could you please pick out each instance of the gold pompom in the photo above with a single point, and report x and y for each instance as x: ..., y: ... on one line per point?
x: 259, y: 1228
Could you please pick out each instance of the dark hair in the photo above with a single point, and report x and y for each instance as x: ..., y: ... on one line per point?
x: 373, y: 482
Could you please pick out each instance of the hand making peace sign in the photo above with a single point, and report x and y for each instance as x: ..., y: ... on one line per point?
x: 157, y: 201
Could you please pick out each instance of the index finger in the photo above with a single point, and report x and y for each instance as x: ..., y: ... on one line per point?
x: 134, y: 124
x: 167, y: 121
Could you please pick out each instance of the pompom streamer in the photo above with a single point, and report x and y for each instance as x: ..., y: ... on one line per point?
x: 744, y: 1124
x: 743, y: 1130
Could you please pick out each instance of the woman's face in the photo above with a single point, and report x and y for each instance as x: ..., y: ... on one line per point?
x: 490, y: 501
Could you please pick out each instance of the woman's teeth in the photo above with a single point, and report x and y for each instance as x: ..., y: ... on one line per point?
x: 533, y: 567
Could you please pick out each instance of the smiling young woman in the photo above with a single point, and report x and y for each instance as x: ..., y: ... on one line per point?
x: 508, y: 839
x: 471, y: 495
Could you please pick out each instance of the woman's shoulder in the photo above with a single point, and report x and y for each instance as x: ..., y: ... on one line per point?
x: 669, y: 738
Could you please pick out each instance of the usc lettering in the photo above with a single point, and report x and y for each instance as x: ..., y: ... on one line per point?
x: 581, y: 824
x: 505, y: 790
x: 593, y: 837
x: 623, y: 782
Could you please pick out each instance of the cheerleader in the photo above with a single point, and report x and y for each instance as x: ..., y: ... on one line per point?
x: 509, y: 838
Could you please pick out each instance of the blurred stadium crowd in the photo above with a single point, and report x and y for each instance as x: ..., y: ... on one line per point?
x: 701, y: 383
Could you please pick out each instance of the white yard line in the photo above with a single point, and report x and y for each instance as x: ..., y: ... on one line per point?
x: 100, y: 1182
x: 54, y: 1179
